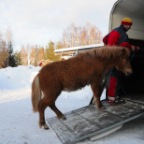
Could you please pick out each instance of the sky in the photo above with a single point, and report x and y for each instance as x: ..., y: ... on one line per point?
x: 39, y: 21
x: 19, y: 125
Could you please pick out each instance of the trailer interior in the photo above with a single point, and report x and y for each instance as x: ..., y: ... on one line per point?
x: 133, y: 85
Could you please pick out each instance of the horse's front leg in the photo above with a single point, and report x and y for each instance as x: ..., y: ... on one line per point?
x: 97, y: 90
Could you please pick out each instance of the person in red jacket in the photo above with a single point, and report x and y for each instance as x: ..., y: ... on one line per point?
x: 117, y: 37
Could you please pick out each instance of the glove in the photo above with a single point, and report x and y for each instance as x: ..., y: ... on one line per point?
x: 135, y: 48
x: 131, y: 47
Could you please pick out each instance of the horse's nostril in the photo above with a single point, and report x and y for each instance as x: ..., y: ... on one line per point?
x: 129, y: 73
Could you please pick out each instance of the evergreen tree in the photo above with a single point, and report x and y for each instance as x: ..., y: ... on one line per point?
x: 49, y: 52
x: 18, y: 58
x: 11, y: 58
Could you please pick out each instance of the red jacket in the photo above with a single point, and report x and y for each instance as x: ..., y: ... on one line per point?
x: 119, y: 37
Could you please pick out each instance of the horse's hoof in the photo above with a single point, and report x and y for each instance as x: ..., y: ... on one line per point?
x: 62, y: 117
x: 44, y: 126
x: 99, y: 107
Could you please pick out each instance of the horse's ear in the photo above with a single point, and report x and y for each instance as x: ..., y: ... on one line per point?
x: 123, y: 50
x: 126, y: 51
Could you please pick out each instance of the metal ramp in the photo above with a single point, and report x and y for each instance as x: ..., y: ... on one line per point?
x: 88, y: 122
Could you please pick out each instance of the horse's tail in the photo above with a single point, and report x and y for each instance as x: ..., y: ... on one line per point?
x: 36, y: 93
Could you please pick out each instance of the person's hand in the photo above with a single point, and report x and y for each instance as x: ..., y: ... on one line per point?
x: 135, y: 48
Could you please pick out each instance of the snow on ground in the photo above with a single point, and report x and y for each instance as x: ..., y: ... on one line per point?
x: 19, y: 125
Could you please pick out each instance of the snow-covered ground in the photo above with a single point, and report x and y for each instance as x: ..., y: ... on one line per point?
x: 19, y: 125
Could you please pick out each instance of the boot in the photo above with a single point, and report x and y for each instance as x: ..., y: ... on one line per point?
x: 119, y: 100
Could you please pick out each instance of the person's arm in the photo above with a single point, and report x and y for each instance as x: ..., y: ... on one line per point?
x: 113, y: 38
x: 128, y: 45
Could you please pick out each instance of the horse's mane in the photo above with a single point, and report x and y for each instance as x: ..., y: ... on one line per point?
x: 105, y: 52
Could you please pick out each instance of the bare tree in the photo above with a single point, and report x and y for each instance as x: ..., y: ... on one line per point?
x: 3, y: 52
x: 77, y: 36
x: 23, y: 55
x: 70, y: 35
x: 28, y: 50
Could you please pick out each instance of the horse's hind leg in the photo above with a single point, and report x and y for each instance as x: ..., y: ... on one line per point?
x: 49, y: 99
x: 97, y: 94
x: 41, y: 107
x: 59, y: 114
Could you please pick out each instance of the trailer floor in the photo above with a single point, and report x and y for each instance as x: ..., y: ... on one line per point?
x: 89, y: 122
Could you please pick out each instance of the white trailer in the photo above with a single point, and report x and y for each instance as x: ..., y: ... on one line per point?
x: 90, y: 123
x: 135, y: 10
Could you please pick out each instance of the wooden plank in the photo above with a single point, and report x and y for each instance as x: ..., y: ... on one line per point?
x: 97, y: 117
x: 63, y: 133
x: 138, y: 100
x: 78, y: 125
x: 73, y: 127
x: 87, y: 122
x: 126, y: 110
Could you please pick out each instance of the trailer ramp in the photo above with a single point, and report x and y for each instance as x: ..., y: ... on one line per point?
x: 89, y: 122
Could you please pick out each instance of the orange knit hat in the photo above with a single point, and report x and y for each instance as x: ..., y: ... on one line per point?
x: 127, y: 21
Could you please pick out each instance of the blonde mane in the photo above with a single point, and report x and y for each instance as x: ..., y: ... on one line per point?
x: 106, y: 52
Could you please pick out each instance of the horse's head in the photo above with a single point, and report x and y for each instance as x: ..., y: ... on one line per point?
x: 123, y: 63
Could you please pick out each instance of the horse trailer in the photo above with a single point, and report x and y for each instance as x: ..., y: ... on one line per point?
x: 90, y: 123
x: 134, y: 84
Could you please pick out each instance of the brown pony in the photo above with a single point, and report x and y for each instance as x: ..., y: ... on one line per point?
x: 86, y: 68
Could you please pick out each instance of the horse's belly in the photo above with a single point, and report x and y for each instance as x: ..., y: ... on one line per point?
x: 73, y: 86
